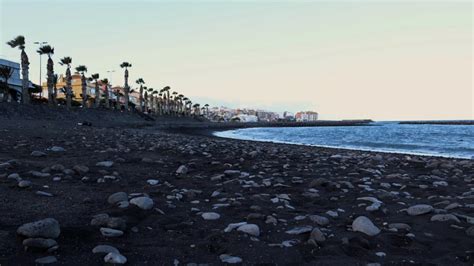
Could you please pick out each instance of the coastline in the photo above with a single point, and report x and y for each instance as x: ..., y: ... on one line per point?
x: 304, y: 200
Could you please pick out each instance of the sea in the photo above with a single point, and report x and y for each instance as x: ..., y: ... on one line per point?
x: 454, y: 141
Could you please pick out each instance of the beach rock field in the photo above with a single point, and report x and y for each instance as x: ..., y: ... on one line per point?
x: 112, y: 194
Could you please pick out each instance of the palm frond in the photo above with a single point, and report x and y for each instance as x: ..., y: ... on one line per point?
x: 46, y: 49
x: 65, y: 61
x: 19, y: 42
x: 81, y: 69
x: 125, y: 65
x: 95, y: 76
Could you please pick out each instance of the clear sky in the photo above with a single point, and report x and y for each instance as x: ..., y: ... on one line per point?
x: 385, y: 60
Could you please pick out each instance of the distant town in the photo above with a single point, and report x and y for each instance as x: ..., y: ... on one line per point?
x: 116, y: 95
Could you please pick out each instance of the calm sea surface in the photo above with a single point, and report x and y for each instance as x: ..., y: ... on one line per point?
x: 436, y: 140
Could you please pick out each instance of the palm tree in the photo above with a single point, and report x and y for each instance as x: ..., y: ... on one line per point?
x: 82, y: 69
x: 150, y: 100
x: 105, y: 82
x: 126, y: 88
x: 145, y: 97
x: 140, y: 82
x: 55, y: 89
x: 5, y: 73
x: 95, y: 77
x: 19, y: 42
x: 207, y: 109
x: 48, y: 50
x: 67, y: 61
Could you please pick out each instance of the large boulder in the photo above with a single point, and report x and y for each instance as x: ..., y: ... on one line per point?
x: 46, y: 228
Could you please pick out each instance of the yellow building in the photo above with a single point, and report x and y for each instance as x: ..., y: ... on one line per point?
x: 76, y: 85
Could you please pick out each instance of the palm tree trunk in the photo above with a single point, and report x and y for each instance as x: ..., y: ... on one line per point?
x: 84, y: 91
x: 107, y: 104
x: 141, y: 98
x: 126, y: 90
x: 97, y: 94
x: 50, y: 81
x: 25, y: 82
x: 68, y: 88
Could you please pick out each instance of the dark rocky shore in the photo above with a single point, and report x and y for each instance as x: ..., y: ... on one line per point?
x: 124, y: 189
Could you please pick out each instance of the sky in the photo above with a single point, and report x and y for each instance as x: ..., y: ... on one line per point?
x: 381, y: 60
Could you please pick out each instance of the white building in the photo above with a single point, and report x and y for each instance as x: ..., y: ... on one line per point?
x: 245, y: 118
x: 14, y: 82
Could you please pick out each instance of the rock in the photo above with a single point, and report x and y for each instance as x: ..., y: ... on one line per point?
x: 232, y: 226
x: 39, y: 174
x: 419, y: 209
x: 144, y: 203
x: 251, y: 229
x: 152, y: 182
x: 100, y: 219
x: 318, y: 182
x: 105, y: 249
x: 470, y: 231
x: 109, y: 232
x: 365, y: 225
x: 46, y: 260
x: 444, y: 218
x: 317, y: 235
x: 46, y: 228
x: 400, y: 226
x: 299, y: 230
x: 333, y: 214
x: 45, y: 194
x: 24, y: 184
x: 225, y: 258
x: 115, y: 258
x: 57, y: 149
x: 117, y: 197
x: 105, y: 163
x: 57, y: 167
x: 234, y: 173
x: 375, y: 203
x: 320, y: 220
x: 81, y: 169
x: 15, y: 176
x: 210, y: 216
x: 117, y: 223
x: 42, y: 243
x: 182, y: 170
x: 38, y: 154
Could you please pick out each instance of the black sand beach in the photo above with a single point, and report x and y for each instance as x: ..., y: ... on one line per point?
x: 183, y: 188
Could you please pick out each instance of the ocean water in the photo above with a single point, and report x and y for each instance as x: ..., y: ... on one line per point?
x: 455, y: 141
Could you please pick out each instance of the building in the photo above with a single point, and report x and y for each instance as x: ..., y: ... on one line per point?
x: 307, y: 116
x: 288, y: 116
x: 244, y: 118
x: 76, y: 85
x: 14, y: 82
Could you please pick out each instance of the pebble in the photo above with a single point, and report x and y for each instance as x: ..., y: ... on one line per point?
x: 365, y: 225
x: 105, y: 249
x: 152, y: 182
x: 43, y: 243
x: 210, y: 216
x: 419, y: 209
x: 182, y: 170
x: 320, y: 220
x: 317, y: 235
x: 470, y: 231
x: 45, y: 194
x: 38, y: 154
x: 24, y: 184
x: 81, y: 169
x: 109, y: 232
x: 47, y: 228
x: 230, y: 259
x: 57, y: 149
x: 117, y: 197
x: 46, y: 260
x: 105, y: 163
x: 444, y: 218
x: 115, y: 258
x: 300, y: 230
x: 251, y: 229
x: 144, y: 203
